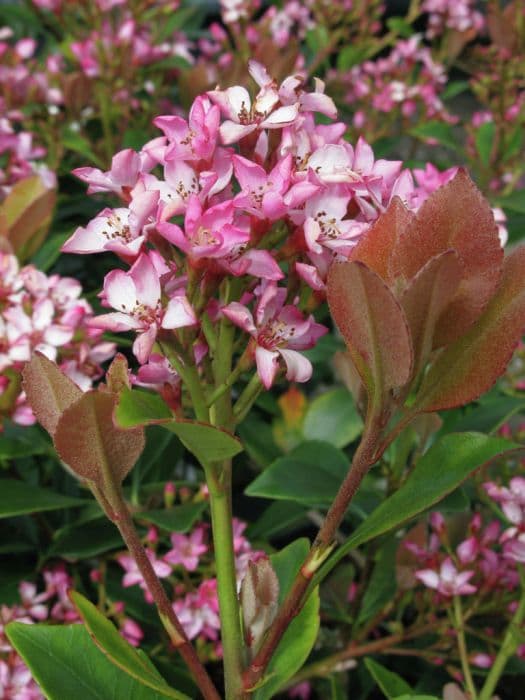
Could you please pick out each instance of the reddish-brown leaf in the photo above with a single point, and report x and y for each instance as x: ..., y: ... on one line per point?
x: 425, y: 299
x: 49, y: 391
x: 455, y: 216
x: 117, y: 376
x: 87, y: 440
x: 373, y: 326
x: 26, y: 215
x: 376, y: 247
x: 470, y: 366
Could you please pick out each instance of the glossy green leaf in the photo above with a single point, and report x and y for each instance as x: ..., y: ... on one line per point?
x: 300, y: 636
x: 118, y: 650
x: 175, y: 519
x: 281, y: 517
x: 382, y: 584
x: 333, y: 417
x: 83, y: 541
x: 311, y: 474
x: 136, y: 407
x: 442, y: 469
x: 205, y: 442
x: 19, y: 498
x: 484, y: 140
x: 390, y: 683
x: 438, y: 131
x: 66, y: 663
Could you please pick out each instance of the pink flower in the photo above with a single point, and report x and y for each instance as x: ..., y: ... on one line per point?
x: 126, y: 167
x: 449, y: 582
x: 137, y: 296
x: 122, y: 230
x: 195, y: 139
x: 133, y: 577
x: 131, y: 631
x: 277, y: 330
x: 186, y: 550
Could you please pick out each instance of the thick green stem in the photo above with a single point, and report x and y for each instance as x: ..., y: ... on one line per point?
x: 513, y: 637
x: 219, y: 485
x: 462, y: 648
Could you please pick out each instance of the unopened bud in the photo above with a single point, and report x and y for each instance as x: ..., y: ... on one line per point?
x: 170, y: 491
x: 259, y: 601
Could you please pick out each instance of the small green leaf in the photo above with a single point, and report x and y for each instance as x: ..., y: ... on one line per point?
x: 281, y: 517
x: 136, y: 407
x: 77, y: 143
x: 67, y: 664
x: 299, y: 638
x: 207, y: 443
x: 438, y: 131
x: 79, y: 541
x: 350, y: 56
x: 441, y: 470
x: 311, y: 474
x: 333, y: 417
x: 204, y: 441
x: 390, y: 683
x: 382, y: 585
x: 120, y: 652
x: 454, y: 88
x: 400, y: 26
x: 176, y: 519
x: 19, y: 498
x: 485, y: 141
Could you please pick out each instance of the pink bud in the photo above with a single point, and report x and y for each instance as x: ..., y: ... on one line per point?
x: 170, y: 491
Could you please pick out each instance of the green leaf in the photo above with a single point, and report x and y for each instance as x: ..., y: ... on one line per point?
x: 47, y: 255
x: 484, y: 140
x: 22, y: 441
x: 454, y: 88
x: 281, y: 517
x: 19, y: 498
x: 382, y: 585
x: 442, y: 469
x: 83, y: 541
x: 175, y: 519
x: 400, y: 26
x: 333, y: 417
x: 204, y: 441
x: 390, y: 683
x: 136, y: 407
x: 67, y: 664
x: 439, y: 131
x: 120, y: 652
x: 299, y: 638
x: 514, y: 202
x: 350, y: 56
x: 77, y: 143
x: 311, y: 474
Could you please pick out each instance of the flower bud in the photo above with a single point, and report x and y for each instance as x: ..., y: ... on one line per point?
x: 259, y: 601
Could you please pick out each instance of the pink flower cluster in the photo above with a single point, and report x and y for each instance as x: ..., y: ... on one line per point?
x: 407, y: 80
x: 476, y: 565
x: 459, y: 15
x: 512, y: 501
x: 196, y: 603
x: 50, y: 604
x: 247, y: 186
x: 44, y: 313
x: 22, y: 83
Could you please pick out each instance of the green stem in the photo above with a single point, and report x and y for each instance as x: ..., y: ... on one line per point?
x: 513, y: 637
x: 462, y: 647
x: 247, y: 398
x: 231, y: 630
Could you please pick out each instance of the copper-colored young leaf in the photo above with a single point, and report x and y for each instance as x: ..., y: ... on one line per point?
x: 87, y: 440
x: 49, y: 391
x: 375, y: 248
x: 425, y: 299
x: 455, y: 216
x: 470, y: 366
x: 373, y: 326
x: 27, y: 211
x: 117, y: 376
